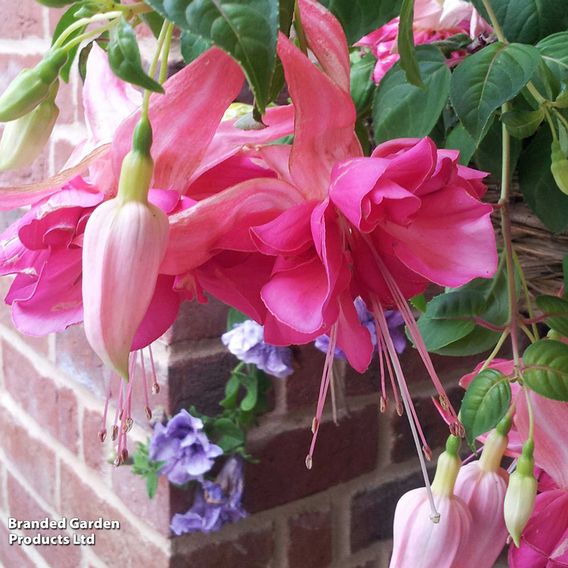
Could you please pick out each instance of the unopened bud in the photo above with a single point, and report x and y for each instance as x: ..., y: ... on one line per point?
x: 521, y: 494
x: 31, y: 87
x: 447, y: 469
x: 24, y: 139
x: 493, y: 451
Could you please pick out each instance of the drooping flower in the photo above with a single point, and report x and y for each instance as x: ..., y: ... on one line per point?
x: 434, y: 21
x: 246, y: 342
x: 419, y: 539
x: 482, y: 485
x: 216, y: 503
x: 183, y: 447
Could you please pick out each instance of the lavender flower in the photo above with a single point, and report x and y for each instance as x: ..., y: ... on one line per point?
x: 246, y: 342
x: 183, y: 447
x: 395, y: 322
x: 216, y: 503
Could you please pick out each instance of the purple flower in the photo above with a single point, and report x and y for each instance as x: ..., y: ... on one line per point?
x: 216, y: 503
x: 183, y: 447
x: 395, y: 322
x: 246, y: 342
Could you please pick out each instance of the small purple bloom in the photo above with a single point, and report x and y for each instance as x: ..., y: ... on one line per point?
x: 216, y: 503
x: 395, y: 322
x: 246, y: 342
x: 183, y: 447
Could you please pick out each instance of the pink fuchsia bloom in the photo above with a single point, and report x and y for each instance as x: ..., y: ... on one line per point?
x: 482, y: 485
x: 419, y: 539
x: 433, y: 21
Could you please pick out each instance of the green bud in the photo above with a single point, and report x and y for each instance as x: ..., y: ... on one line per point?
x: 24, y: 139
x: 55, y: 3
x: 521, y: 494
x: 447, y: 469
x: 493, y: 451
x: 559, y: 167
x: 31, y: 87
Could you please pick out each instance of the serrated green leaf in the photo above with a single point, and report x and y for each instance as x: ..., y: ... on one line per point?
x: 538, y: 186
x: 527, y: 21
x: 246, y: 29
x: 359, y: 17
x: 523, y: 123
x: 489, y: 78
x: 546, y: 369
x: 405, y: 44
x: 402, y: 110
x: 192, y: 46
x: 557, y: 310
x: 124, y: 58
x: 486, y: 401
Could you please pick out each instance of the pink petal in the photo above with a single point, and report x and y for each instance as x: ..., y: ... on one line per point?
x: 185, y: 119
x: 223, y: 221
x: 324, y: 123
x: 451, y: 240
x: 327, y: 41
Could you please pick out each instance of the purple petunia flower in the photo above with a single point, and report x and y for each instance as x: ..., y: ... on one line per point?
x: 216, y: 503
x: 184, y: 448
x: 395, y: 322
x: 246, y: 342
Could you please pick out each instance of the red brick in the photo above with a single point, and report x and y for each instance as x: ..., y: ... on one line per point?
x: 123, y: 547
x: 24, y: 507
x: 199, y: 321
x: 310, y: 540
x: 32, y: 459
x: 53, y: 408
x: 12, y: 556
x: 302, y: 387
x: 342, y: 453
x: 372, y: 511
x: 250, y: 550
x: 25, y: 19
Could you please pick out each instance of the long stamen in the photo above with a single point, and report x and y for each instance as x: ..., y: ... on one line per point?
x: 147, y: 408
x: 382, y: 322
x: 117, y: 412
x: 155, y: 385
x: 324, y: 386
x: 103, y: 430
x: 384, y: 398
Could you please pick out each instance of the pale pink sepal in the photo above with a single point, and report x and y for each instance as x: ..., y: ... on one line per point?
x: 419, y: 542
x: 122, y: 250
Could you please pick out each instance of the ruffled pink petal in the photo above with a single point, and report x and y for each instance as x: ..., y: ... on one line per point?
x: 324, y: 123
x: 185, y: 119
x: 327, y: 40
x: 223, y: 221
x: 451, y: 240
x: 161, y: 314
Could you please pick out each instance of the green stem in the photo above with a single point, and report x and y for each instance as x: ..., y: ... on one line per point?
x: 84, y: 22
x: 89, y: 35
x: 526, y: 294
x: 494, y: 22
x: 154, y: 66
x: 560, y: 117
x: 530, y: 413
x: 166, y: 54
x: 550, y: 123
x: 495, y: 351
x: 300, y: 29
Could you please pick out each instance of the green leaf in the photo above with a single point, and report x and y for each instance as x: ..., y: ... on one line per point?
x: 405, y: 44
x: 489, y: 78
x: 523, y: 123
x: 449, y: 317
x: 565, y: 275
x: 460, y: 139
x: 527, y: 21
x: 251, y: 384
x: 554, y: 50
x: 419, y: 303
x: 486, y: 401
x: 359, y: 17
x: 68, y: 18
x: 402, y: 110
x: 124, y: 58
x: 538, y: 186
x: 546, y: 369
x: 490, y: 149
x: 154, y: 21
x: 231, y: 392
x: 192, y: 46
x: 246, y: 29
x: 558, y: 310
x: 235, y: 317
x: 362, y: 84
x: 226, y: 434
x: 152, y: 484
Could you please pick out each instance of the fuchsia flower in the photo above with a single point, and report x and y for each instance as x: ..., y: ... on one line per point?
x: 336, y: 225
x: 433, y: 21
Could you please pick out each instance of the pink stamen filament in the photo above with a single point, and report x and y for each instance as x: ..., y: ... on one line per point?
x: 155, y: 385
x: 147, y: 408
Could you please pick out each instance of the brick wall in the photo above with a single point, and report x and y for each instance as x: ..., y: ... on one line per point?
x: 51, y: 399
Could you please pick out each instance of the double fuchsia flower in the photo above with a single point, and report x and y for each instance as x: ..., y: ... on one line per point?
x: 544, y: 540
x: 442, y: 542
x: 482, y: 485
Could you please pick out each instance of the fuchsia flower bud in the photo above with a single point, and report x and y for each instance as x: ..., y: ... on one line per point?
x: 125, y: 241
x: 521, y: 493
x: 419, y: 539
x: 482, y: 485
